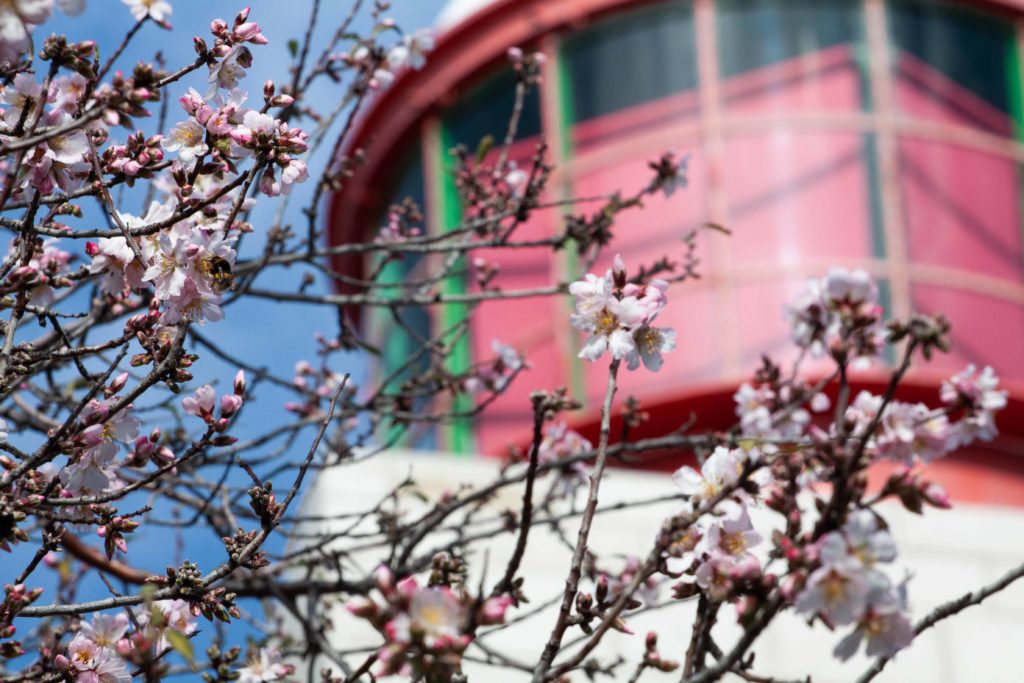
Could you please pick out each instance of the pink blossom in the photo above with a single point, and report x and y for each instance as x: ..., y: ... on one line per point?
x: 264, y: 667
x: 17, y: 18
x: 106, y: 629
x: 884, y: 625
x: 493, y: 610
x: 201, y: 403
x: 412, y: 50
x: 188, y: 140
x: 733, y: 536
x: 649, y: 343
x: 719, y: 470
x: 226, y: 73
x: 21, y: 94
x: 83, y: 653
x: 230, y: 404
x: 435, y: 615
x: 836, y: 592
x: 158, y: 10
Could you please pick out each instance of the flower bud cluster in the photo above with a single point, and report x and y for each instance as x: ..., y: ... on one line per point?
x: 426, y: 628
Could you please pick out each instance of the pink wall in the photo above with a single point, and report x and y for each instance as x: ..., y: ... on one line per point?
x: 797, y: 198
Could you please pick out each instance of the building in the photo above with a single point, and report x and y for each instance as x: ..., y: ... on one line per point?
x: 876, y: 134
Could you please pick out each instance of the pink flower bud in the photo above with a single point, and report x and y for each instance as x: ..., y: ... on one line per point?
x: 230, y: 404
x: 119, y: 382
x: 936, y: 495
x: 407, y: 587
x: 240, y: 383
x: 361, y: 606
x: 493, y: 610
x: 384, y: 579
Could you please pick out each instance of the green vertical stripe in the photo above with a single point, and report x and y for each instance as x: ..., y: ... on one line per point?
x: 1013, y: 57
x: 566, y: 117
x: 458, y: 435
x: 874, y: 180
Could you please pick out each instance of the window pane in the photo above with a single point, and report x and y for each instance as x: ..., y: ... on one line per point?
x: 801, y: 197
x: 962, y: 209
x: 953, y: 64
x: 399, y: 341
x: 791, y: 54
x: 486, y: 110
x: 974, y: 338
x: 630, y: 59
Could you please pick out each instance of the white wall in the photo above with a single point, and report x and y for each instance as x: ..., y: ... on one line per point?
x: 949, y: 553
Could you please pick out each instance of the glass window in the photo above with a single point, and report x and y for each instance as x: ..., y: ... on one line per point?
x: 962, y: 209
x: 630, y: 59
x: 400, y: 339
x: 799, y: 197
x: 791, y: 54
x: 486, y: 110
x: 953, y: 64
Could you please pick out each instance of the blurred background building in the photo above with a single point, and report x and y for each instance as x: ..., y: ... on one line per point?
x: 884, y: 135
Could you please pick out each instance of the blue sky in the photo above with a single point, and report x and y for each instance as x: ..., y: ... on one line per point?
x: 268, y: 334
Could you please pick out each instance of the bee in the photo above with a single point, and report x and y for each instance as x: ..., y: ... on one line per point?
x: 220, y: 273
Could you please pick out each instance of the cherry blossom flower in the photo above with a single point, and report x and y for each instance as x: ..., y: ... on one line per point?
x: 93, y: 472
x: 157, y: 10
x: 516, y: 179
x: 83, y: 653
x: 718, y: 574
x: 861, y: 540
x: 72, y: 8
x: 682, y: 552
x: 561, y: 444
x: 412, y: 50
x: 836, y: 592
x: 109, y: 670
x: 649, y: 343
x: 670, y: 172
x: 618, y: 315
x: 978, y: 394
x: 496, y: 375
x: 188, y: 140
x: 434, y: 615
x: 66, y: 92
x: 21, y: 94
x: 842, y: 300
x: 264, y: 667
x: 910, y: 432
x: 201, y: 403
x: 227, y: 72
x: 195, y: 305
x: 177, y: 615
x: 884, y: 626
x: 610, y: 328
x: 733, y: 536
x: 93, y: 469
x: 106, y: 629
x: 17, y: 19
x: 719, y: 470
x: 68, y: 148
x: 168, y: 269
x: 112, y: 257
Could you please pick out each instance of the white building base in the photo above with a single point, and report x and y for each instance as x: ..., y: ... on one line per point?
x: 948, y: 552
